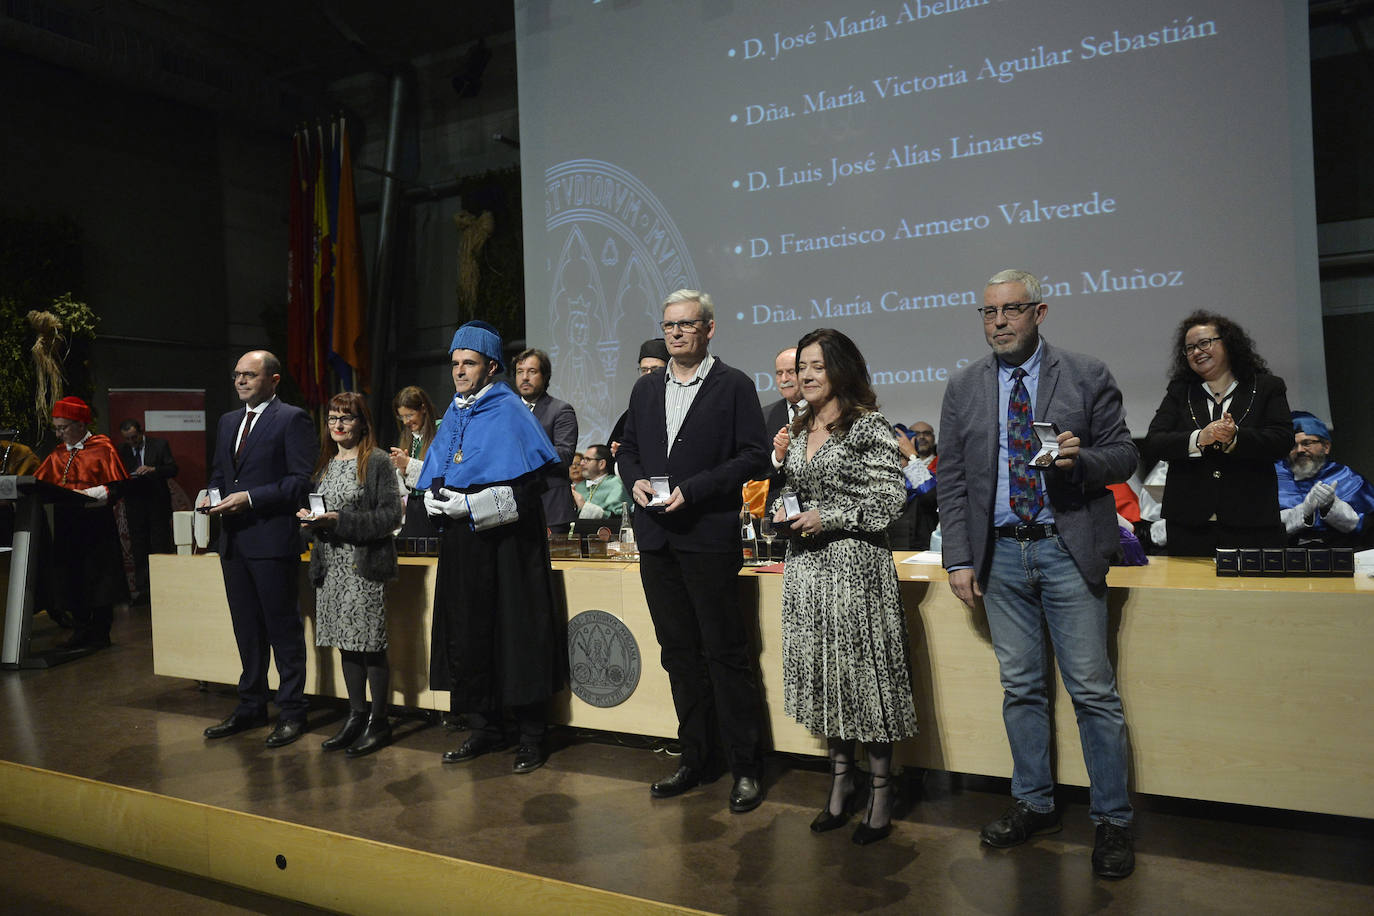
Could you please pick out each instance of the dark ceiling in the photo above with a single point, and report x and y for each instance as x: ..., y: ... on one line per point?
x: 267, y: 60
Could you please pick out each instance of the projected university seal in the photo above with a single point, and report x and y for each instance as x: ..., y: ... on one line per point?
x: 619, y: 254
x: 603, y: 659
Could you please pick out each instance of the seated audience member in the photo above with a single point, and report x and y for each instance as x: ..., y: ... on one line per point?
x: 16, y: 459
x: 87, y: 562
x: 1322, y: 502
x: 599, y: 494
x: 653, y: 354
x: 575, y: 469
x: 912, y: 529
x: 20, y: 461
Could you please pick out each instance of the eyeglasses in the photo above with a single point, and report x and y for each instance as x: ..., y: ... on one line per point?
x: 344, y: 419
x: 1010, y: 310
x: 248, y: 376
x: 687, y: 325
x: 61, y: 427
x: 1203, y: 343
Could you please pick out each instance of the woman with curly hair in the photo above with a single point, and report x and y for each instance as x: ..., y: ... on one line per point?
x: 846, y: 674
x: 1223, y: 423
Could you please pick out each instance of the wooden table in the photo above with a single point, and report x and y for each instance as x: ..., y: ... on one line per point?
x: 1252, y: 691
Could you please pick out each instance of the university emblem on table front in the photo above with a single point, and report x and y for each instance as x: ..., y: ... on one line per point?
x: 619, y: 256
x: 603, y: 659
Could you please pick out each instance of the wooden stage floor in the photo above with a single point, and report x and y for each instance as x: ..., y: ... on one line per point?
x: 587, y: 818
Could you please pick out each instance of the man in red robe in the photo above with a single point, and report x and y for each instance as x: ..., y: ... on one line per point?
x: 87, y: 562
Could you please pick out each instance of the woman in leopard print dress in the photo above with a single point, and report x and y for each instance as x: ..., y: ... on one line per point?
x: 845, y: 668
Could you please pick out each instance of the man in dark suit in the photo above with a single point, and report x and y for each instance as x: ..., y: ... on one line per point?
x: 784, y: 411
x: 264, y: 456
x: 698, y: 424
x: 147, y: 501
x: 532, y: 373
x: 1035, y: 546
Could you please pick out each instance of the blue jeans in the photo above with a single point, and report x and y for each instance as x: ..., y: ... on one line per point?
x: 1031, y: 585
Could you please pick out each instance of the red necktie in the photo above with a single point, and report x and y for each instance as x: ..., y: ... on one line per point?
x: 243, y: 437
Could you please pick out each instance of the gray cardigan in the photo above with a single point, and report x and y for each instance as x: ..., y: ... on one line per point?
x: 368, y: 529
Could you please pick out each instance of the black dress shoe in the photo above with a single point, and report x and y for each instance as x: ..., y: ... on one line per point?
x: 746, y: 795
x: 237, y: 722
x: 377, y: 736
x: 287, y: 730
x: 1018, y: 824
x: 685, y: 778
x: 529, y: 757
x: 353, y: 727
x: 1113, y: 852
x: 474, y: 747
x: 864, y: 834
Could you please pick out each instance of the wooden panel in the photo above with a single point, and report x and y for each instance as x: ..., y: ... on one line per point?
x: 1240, y: 690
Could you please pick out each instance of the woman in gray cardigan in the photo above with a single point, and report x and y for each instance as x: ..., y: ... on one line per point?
x: 352, y: 556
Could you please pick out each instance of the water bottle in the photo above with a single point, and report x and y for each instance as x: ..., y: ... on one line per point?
x: 627, y: 532
x: 751, y: 544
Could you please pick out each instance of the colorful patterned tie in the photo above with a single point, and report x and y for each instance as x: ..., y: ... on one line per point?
x: 1027, y: 499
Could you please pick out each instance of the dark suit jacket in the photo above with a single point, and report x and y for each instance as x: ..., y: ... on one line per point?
x: 774, y: 419
x: 1076, y: 392
x: 274, y: 469
x: 1239, y: 487
x: 157, y: 454
x: 560, y: 424
x: 721, y: 445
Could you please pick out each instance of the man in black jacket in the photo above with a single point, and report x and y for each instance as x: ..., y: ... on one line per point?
x: 698, y: 424
x: 147, y: 501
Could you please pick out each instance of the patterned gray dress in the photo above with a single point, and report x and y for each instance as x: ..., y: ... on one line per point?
x: 844, y: 640
x: 348, y: 608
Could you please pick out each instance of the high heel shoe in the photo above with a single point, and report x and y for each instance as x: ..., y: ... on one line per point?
x: 825, y: 821
x: 377, y: 736
x: 864, y: 834
x: 353, y: 727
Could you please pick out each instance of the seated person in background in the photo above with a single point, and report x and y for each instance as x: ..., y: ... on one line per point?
x: 575, y: 470
x: 87, y: 561
x: 912, y: 529
x: 19, y: 461
x: 15, y: 459
x: 1322, y: 502
x: 599, y: 494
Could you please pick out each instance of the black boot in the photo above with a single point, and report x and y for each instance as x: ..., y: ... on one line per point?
x: 353, y: 727
x: 377, y: 736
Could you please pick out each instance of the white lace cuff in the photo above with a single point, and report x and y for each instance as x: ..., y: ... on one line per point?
x: 492, y: 507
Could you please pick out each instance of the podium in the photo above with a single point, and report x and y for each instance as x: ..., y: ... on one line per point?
x: 30, y: 496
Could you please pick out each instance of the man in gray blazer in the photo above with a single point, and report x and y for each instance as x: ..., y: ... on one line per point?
x: 1035, y: 545
x: 532, y: 373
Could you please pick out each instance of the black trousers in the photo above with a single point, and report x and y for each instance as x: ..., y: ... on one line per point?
x: 267, y: 622
x: 709, y: 655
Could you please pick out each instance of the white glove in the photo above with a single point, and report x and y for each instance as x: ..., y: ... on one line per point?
x: 101, y: 495
x: 1158, y: 535
x: 454, y: 505
x: 1340, y: 515
x: 1294, y: 519
x: 1322, y: 495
